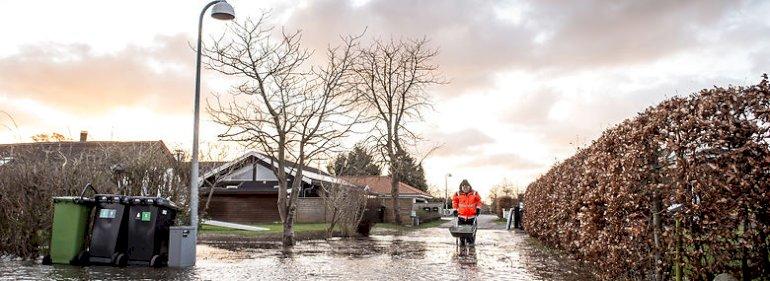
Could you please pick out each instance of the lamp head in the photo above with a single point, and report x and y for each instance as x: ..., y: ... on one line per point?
x: 222, y: 11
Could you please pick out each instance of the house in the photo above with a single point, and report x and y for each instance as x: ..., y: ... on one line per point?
x: 111, y: 165
x: 410, y: 198
x: 82, y: 149
x: 245, y: 190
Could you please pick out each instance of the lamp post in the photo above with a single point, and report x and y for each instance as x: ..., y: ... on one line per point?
x: 446, y: 190
x: 221, y: 11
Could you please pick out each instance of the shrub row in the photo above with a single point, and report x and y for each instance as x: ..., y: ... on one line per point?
x: 679, y: 190
x: 33, y: 177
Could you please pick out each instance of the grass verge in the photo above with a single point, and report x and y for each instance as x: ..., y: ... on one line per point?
x: 272, y: 228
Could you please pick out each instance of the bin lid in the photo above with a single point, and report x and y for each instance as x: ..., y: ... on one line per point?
x: 111, y: 198
x: 156, y: 201
x: 73, y: 199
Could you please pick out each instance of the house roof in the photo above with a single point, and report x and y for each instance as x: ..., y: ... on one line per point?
x: 309, y: 174
x: 380, y: 185
x: 72, y: 148
x: 207, y: 166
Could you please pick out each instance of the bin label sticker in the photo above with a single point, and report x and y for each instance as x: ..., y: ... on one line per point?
x: 107, y: 213
x: 146, y: 216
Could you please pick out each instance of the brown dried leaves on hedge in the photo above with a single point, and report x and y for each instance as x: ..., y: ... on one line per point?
x: 709, y: 152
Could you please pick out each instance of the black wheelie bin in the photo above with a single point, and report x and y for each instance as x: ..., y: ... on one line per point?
x: 148, y: 230
x: 109, y: 234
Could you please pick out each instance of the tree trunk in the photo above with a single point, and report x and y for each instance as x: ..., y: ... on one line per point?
x: 208, y: 199
x: 330, y: 230
x: 656, y: 226
x: 288, y: 229
x: 291, y: 210
x: 394, y: 193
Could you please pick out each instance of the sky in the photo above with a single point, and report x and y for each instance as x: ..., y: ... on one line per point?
x: 530, y: 82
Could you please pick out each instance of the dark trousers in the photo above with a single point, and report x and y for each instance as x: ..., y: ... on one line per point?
x: 466, y: 221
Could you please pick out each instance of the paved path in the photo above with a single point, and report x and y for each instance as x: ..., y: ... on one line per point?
x: 234, y: 225
x: 485, y: 222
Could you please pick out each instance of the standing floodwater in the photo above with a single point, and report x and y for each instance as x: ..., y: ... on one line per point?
x: 427, y: 254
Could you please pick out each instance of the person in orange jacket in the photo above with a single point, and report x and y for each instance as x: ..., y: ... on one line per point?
x: 467, y: 204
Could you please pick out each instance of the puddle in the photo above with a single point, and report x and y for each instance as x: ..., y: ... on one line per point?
x: 428, y: 254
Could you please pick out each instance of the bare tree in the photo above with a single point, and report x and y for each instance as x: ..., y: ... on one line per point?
x: 392, y: 77
x: 12, y: 121
x: 284, y: 106
x: 346, y: 205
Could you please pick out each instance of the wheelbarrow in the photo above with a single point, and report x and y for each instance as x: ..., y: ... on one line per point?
x: 463, y: 232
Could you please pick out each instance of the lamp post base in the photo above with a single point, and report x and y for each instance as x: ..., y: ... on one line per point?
x: 181, y: 246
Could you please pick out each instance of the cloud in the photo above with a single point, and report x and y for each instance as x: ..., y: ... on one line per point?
x: 570, y: 116
x: 73, y: 78
x: 478, y: 39
x: 583, y: 34
x: 510, y: 161
x: 473, y: 41
x: 460, y: 142
x: 533, y: 108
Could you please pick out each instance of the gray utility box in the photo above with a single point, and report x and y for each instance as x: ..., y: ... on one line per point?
x: 181, y: 246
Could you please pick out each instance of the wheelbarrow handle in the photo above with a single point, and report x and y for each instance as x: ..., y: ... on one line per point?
x: 85, y: 188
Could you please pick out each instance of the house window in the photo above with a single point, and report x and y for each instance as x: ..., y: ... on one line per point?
x: 250, y: 173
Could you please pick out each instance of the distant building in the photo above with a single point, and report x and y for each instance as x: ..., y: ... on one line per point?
x: 88, y: 150
x: 95, y: 159
x: 245, y: 190
x: 410, y: 198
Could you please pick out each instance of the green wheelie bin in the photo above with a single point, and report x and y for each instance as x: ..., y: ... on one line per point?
x: 71, y: 218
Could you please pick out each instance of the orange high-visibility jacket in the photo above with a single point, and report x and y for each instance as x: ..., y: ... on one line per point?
x: 466, y: 203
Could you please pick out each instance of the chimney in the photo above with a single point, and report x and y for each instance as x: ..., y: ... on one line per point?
x: 83, y: 136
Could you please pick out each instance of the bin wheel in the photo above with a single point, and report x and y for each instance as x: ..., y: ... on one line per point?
x: 158, y: 261
x: 47, y: 260
x: 81, y: 259
x: 119, y: 259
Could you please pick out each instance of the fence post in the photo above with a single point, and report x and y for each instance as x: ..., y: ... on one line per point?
x: 509, y: 219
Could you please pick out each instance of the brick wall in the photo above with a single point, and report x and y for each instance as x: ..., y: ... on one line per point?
x: 404, y: 206
x: 242, y: 208
x: 311, y: 210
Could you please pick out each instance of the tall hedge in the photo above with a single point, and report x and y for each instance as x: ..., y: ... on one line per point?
x: 614, y: 203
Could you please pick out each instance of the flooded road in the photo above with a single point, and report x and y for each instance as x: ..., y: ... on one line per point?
x: 427, y: 254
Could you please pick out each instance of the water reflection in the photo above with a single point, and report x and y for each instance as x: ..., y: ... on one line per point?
x: 429, y: 254
x: 465, y: 256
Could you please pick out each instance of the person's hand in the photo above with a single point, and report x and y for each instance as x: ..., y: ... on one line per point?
x: 454, y: 213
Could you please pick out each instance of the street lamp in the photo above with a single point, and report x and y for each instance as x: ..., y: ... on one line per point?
x: 221, y: 11
x: 446, y: 190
